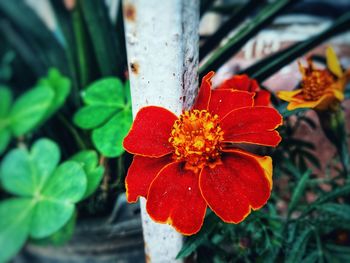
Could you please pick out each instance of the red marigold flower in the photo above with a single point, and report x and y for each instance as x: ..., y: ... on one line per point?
x: 184, y: 164
x: 243, y: 82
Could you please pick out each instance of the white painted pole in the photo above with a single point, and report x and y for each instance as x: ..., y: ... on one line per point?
x: 162, y: 45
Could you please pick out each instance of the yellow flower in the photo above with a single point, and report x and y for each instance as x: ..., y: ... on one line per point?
x: 320, y: 89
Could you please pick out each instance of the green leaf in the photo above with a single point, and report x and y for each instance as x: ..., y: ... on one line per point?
x: 28, y: 110
x: 25, y: 174
x: 108, y: 113
x: 298, y: 191
x: 311, y: 257
x: 108, y: 139
x: 88, y: 159
x: 55, y: 204
x: 60, y: 85
x: 15, y: 220
x: 80, y: 46
x: 60, y: 237
x: 127, y: 92
x: 339, y: 192
x: 299, y: 246
x: 94, y: 179
x: 193, y: 242
x: 51, y: 192
x: 90, y: 117
x: 105, y: 92
x: 341, y: 211
x: 342, y: 253
x: 93, y: 172
x: 32, y: 108
x: 5, y: 102
x: 109, y: 50
x: 67, y: 184
x: 18, y: 174
x: 49, y: 216
x: 290, y: 167
x: 5, y: 138
x: 46, y: 155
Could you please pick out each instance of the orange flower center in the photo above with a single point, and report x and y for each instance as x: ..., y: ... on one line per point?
x: 196, y: 137
x: 315, y: 83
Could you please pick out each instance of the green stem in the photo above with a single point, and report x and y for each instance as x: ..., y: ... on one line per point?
x: 73, y: 131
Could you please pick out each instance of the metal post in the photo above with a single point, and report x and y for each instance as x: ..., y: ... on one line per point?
x: 162, y: 46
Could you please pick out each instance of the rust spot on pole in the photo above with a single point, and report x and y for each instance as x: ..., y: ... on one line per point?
x: 130, y: 12
x: 147, y: 256
x: 134, y: 67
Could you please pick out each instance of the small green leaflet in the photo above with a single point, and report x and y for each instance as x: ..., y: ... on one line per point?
x: 89, y: 161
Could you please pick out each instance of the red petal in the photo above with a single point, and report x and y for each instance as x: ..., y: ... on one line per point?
x: 204, y: 93
x: 254, y: 125
x: 254, y: 86
x: 224, y: 101
x: 174, y: 198
x: 236, y: 186
x: 141, y: 173
x: 150, y: 132
x: 238, y: 82
x: 262, y: 98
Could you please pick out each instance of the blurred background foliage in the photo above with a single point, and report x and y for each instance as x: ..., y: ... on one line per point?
x: 56, y: 82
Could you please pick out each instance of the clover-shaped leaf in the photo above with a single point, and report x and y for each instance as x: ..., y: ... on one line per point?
x: 24, y: 115
x: 14, y: 225
x: 107, y: 112
x: 29, y: 109
x: 61, y: 236
x: 94, y: 173
x: 60, y: 85
x: 32, y: 108
x: 45, y: 194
